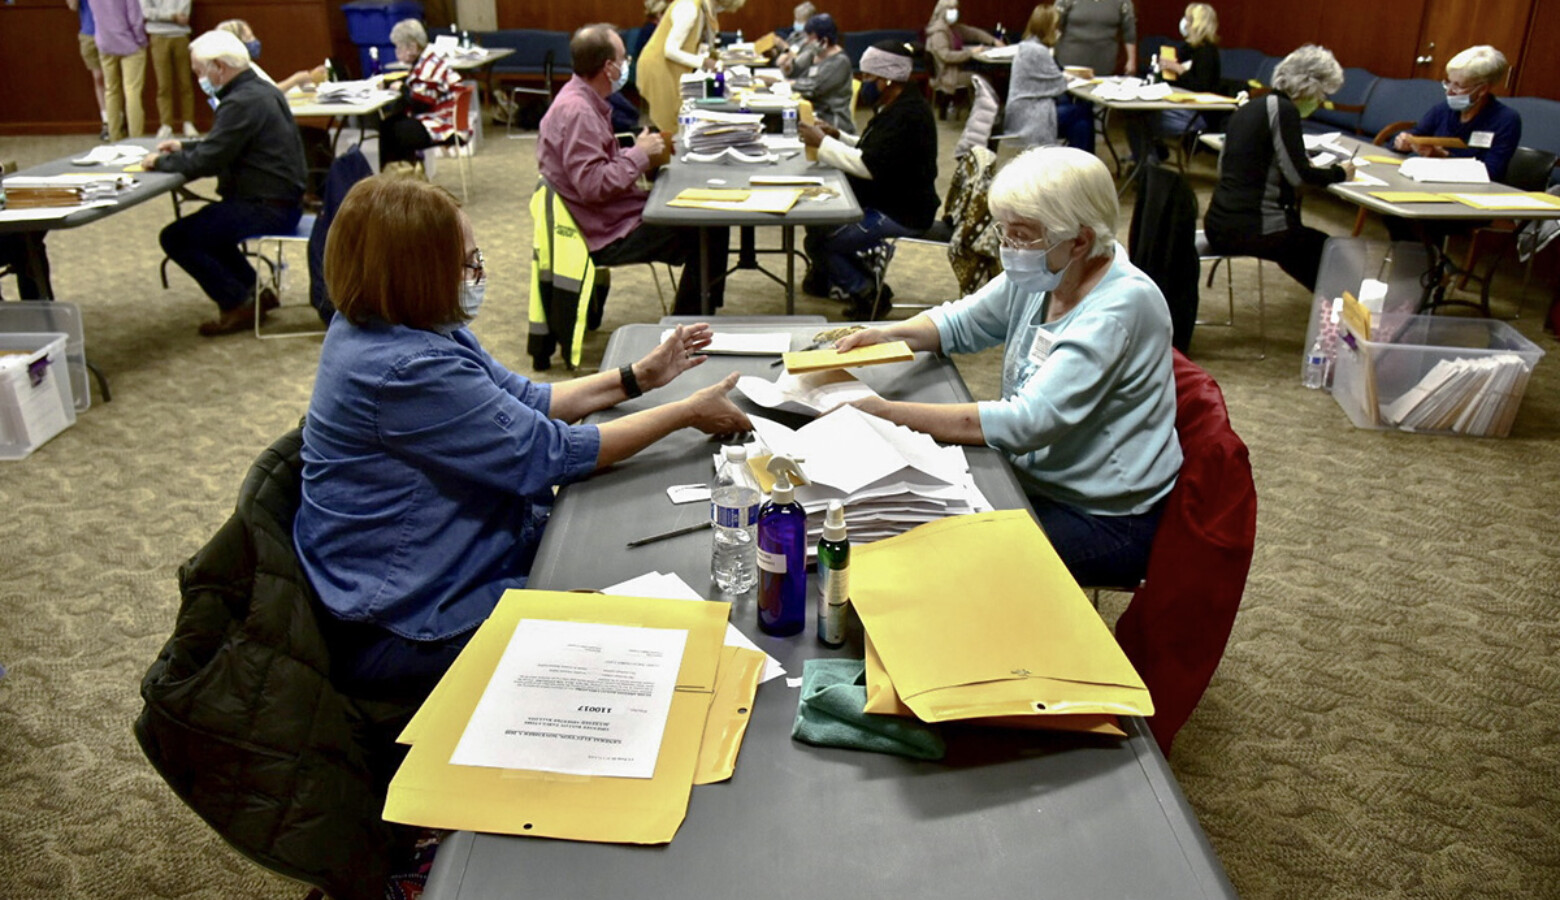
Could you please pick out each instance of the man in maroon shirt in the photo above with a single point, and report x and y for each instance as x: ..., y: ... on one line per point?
x: 599, y: 180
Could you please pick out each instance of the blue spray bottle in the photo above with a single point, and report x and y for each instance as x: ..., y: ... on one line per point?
x: 782, y: 556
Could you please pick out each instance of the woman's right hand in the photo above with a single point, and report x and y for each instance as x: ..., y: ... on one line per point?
x: 863, y: 338
x: 1401, y: 142
x: 714, y: 413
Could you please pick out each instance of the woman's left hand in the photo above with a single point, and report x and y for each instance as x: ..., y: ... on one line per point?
x: 810, y: 134
x: 675, y: 355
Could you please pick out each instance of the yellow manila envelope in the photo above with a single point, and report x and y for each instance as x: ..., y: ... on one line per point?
x: 802, y: 361
x: 1408, y: 196
x: 429, y: 791
x: 736, y: 684
x: 765, y: 200
x: 976, y: 616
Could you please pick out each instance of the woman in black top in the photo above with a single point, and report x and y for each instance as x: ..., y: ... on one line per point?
x: 892, y: 169
x: 1195, y: 68
x: 1254, y: 210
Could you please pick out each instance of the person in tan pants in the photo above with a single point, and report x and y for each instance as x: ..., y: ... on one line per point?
x: 121, y: 42
x: 168, y: 33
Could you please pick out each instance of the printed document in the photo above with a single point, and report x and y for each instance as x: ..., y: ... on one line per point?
x: 580, y: 698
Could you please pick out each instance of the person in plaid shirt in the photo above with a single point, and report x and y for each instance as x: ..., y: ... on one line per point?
x: 427, y: 116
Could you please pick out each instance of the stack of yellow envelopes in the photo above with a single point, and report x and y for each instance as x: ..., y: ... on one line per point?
x: 704, y: 729
x: 975, y: 618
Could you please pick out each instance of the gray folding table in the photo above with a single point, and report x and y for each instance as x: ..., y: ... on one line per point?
x: 1006, y: 814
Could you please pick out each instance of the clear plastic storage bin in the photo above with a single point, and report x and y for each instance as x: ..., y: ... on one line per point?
x: 35, y: 397
x: 1436, y: 374
x: 1346, y: 262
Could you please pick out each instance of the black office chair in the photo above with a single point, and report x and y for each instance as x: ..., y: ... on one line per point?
x: 1529, y: 170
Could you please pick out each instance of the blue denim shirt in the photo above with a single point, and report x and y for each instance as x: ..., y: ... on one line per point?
x: 1087, y: 415
x: 428, y: 471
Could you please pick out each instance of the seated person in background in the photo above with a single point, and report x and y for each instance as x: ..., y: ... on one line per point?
x: 1196, y: 67
x: 257, y: 157
x: 828, y: 81
x: 1491, y: 129
x: 792, y: 60
x: 1254, y: 211
x: 428, y: 468
x: 579, y: 156
x: 428, y: 99
x: 1087, y: 414
x: 949, y: 45
x: 1037, y: 82
x: 304, y: 78
x: 892, y: 168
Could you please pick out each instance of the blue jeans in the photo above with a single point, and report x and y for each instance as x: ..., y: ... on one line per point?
x: 1099, y: 551
x: 205, y: 244
x: 1075, y: 122
x: 834, y: 248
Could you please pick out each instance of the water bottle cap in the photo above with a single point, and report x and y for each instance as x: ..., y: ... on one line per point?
x: 735, y: 452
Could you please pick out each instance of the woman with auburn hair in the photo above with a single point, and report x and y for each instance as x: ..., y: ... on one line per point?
x: 429, y: 468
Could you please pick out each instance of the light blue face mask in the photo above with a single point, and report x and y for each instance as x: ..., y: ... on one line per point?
x: 1459, y: 102
x: 1027, y: 269
x: 621, y: 80
x: 472, y: 294
x: 209, y: 88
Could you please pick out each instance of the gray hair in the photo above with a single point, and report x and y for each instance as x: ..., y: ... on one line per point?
x: 1309, y: 73
x: 1062, y: 189
x: 1482, y: 63
x: 409, y: 31
x: 220, y: 46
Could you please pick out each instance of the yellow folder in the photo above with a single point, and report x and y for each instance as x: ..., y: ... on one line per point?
x: 976, y: 616
x: 427, y: 790
x: 803, y: 361
x: 1409, y: 197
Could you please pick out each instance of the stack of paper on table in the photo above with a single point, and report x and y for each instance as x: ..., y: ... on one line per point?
x: 670, y: 587
x: 567, y: 716
x: 777, y: 201
x: 351, y: 92
x: 1449, y: 170
x: 712, y: 131
x: 35, y: 191
x: 1129, y: 89
x: 889, y: 478
x: 811, y: 394
x: 694, y: 85
x: 1468, y: 396
x: 115, y: 155
x: 977, y: 619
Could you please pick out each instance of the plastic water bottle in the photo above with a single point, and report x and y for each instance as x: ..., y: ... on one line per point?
x: 739, y: 36
x: 1315, y: 367
x: 373, y: 61
x: 788, y: 120
x: 465, y: 40
x: 734, y: 511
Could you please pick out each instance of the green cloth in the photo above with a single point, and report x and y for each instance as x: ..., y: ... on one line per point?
x: 829, y: 714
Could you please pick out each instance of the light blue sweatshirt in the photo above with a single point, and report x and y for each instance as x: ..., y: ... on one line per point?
x: 1087, y: 415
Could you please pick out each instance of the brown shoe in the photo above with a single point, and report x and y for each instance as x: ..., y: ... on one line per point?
x: 241, y: 318
x: 268, y: 301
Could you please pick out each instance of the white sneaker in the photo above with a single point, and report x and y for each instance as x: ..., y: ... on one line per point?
x: 165, y: 131
x: 189, y: 130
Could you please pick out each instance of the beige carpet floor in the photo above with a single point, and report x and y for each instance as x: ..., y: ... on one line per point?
x: 1383, y: 724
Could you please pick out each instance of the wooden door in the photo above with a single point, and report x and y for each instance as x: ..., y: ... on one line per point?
x: 1450, y: 26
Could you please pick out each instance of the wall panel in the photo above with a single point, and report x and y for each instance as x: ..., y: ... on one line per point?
x: 1537, y: 75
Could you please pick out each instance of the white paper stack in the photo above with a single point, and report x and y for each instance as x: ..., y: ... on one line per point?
x: 352, y: 92
x: 694, y: 86
x: 712, y: 132
x: 1130, y: 89
x: 1445, y: 170
x: 889, y: 478
x: 38, y: 191
x: 1468, y: 396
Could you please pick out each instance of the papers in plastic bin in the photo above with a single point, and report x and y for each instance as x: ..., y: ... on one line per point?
x: 743, y: 343
x: 112, y: 155
x: 671, y: 587
x: 1469, y: 396
x: 1449, y: 170
x: 810, y: 395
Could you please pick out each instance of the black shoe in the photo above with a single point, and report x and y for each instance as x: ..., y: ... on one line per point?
x: 815, y: 284
x: 870, y: 305
x: 103, y: 133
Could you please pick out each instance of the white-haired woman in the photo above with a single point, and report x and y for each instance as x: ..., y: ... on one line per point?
x: 1254, y: 211
x: 1196, y: 66
x: 1087, y: 413
x: 427, y: 114
x: 1490, y: 128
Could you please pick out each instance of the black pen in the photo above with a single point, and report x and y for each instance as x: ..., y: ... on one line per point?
x: 675, y: 532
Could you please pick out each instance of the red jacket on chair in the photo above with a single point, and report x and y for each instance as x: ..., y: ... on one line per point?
x: 1179, y: 620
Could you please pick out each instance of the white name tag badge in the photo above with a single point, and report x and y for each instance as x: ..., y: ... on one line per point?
x: 1481, y: 139
x: 1041, y: 348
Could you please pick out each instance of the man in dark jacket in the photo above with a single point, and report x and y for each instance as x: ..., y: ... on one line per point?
x: 256, y: 154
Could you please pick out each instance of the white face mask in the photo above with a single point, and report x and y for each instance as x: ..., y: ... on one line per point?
x: 1028, y: 270
x: 622, y: 76
x: 952, y: 16
x: 1186, y: 28
x: 471, y: 296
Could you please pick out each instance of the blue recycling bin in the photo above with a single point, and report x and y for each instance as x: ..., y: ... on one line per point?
x: 369, y: 23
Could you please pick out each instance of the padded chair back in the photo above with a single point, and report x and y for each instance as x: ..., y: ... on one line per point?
x: 1344, y: 109
x: 463, y: 124
x: 1397, y: 100
x: 1530, y: 169
x: 1265, y: 70
x: 345, y: 171
x: 1175, y: 629
x: 1540, y: 125
x: 1240, y: 63
x: 537, y: 52
x: 982, y: 119
x: 1163, y: 243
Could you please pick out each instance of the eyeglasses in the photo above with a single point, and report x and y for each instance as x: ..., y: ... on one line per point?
x: 1454, y: 88
x: 1014, y: 243
x: 475, y: 262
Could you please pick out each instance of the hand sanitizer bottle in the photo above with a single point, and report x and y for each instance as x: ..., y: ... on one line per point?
x: 833, y: 577
x: 782, y: 556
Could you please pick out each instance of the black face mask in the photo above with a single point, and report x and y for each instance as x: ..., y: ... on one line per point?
x: 870, y: 93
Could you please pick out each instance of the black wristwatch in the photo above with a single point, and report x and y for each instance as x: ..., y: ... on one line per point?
x: 630, y: 383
